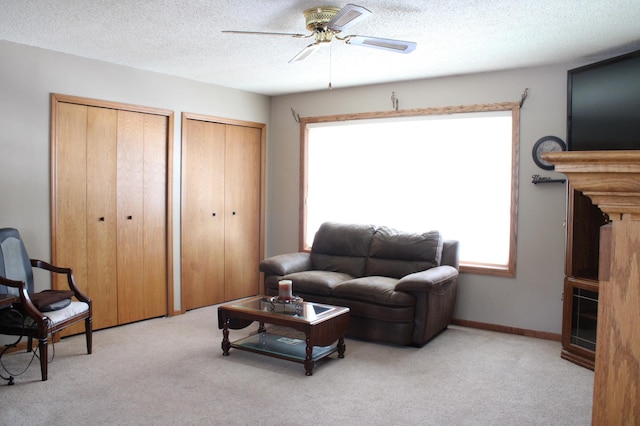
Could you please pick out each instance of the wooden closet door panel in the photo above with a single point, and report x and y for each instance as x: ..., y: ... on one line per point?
x: 242, y: 211
x: 130, y: 154
x: 101, y: 215
x: 155, y: 216
x: 203, y: 214
x: 70, y: 246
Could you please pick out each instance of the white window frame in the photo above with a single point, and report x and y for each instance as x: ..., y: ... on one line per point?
x: 507, y: 269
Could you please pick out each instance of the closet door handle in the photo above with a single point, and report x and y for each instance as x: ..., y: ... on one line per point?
x: 129, y: 217
x: 101, y: 218
x: 213, y: 214
x: 234, y: 213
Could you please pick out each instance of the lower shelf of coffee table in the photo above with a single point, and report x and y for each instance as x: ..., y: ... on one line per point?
x: 281, y: 347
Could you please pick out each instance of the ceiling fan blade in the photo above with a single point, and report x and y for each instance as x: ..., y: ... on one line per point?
x: 267, y: 33
x: 398, y: 46
x: 304, y: 53
x: 348, y: 15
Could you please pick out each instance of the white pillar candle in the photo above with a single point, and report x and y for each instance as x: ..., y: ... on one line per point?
x: 285, y: 289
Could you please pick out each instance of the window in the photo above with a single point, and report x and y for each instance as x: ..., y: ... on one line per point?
x: 455, y: 172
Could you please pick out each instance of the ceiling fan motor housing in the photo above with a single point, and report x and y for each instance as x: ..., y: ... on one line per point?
x: 318, y: 17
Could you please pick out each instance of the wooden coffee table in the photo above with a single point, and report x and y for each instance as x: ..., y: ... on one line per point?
x: 321, y: 324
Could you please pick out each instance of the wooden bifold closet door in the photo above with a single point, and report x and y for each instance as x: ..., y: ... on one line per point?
x: 109, y: 210
x: 222, y: 209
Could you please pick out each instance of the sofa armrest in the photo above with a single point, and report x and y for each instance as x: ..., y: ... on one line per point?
x: 432, y: 280
x: 284, y: 264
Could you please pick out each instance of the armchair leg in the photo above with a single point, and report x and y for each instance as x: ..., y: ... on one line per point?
x: 29, y: 344
x: 43, y: 345
x: 88, y: 326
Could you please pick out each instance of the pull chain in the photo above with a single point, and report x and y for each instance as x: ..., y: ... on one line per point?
x: 330, y: 65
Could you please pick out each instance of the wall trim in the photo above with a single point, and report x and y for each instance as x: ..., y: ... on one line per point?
x: 509, y: 330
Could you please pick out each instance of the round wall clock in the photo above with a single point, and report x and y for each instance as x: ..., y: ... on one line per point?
x: 547, y: 144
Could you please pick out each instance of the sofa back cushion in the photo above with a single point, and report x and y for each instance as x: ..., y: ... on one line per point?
x: 396, y: 254
x: 342, y: 248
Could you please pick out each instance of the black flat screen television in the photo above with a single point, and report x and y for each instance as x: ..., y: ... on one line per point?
x: 603, y: 105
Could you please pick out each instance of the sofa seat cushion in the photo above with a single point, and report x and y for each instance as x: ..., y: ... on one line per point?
x: 316, y: 282
x: 374, y: 289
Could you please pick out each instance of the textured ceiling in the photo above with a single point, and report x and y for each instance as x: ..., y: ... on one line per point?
x: 184, y: 37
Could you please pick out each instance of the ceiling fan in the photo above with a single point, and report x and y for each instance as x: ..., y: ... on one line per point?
x: 326, y: 22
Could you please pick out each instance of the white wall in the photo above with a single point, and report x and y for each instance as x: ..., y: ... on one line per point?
x: 532, y: 300
x: 27, y: 78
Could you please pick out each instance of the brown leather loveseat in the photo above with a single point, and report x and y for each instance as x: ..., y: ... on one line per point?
x: 400, y: 287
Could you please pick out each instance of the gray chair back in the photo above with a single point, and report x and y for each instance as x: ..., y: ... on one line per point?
x: 15, y: 263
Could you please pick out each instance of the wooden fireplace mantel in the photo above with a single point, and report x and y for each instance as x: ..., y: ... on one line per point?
x: 611, y: 179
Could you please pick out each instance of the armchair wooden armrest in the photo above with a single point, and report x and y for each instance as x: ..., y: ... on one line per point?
x: 60, y: 270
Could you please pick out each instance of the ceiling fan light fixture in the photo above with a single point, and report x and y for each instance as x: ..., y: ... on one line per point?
x: 383, y: 43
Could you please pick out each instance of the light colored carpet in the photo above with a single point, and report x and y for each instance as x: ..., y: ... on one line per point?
x: 171, y: 371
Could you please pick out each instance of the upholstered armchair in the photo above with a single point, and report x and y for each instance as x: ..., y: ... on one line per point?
x: 37, y: 315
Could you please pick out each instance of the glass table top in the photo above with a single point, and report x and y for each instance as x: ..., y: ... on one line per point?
x: 297, y: 308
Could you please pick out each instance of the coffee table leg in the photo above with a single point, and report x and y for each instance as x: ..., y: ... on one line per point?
x: 308, y: 362
x: 225, y: 339
x: 341, y: 347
